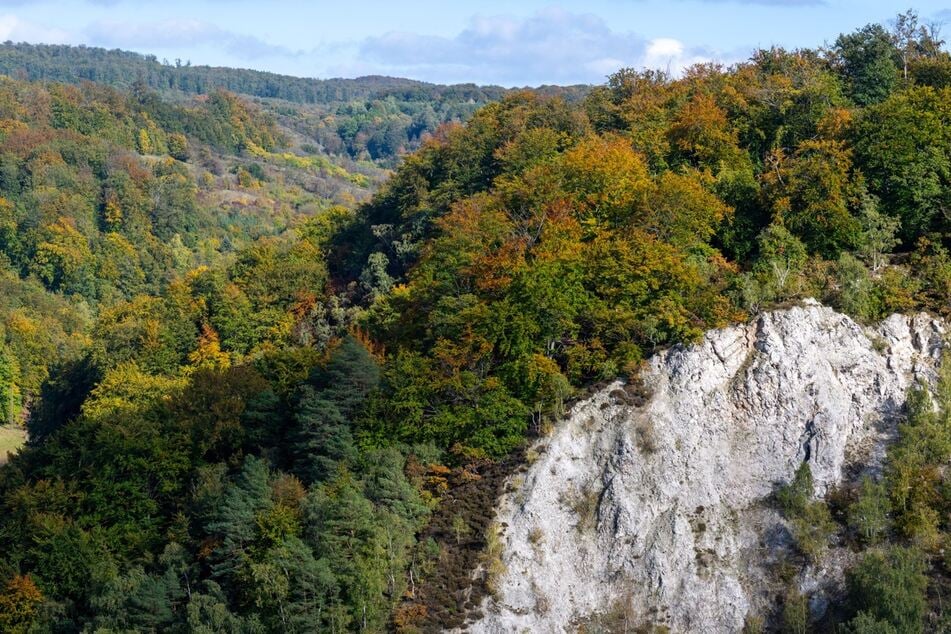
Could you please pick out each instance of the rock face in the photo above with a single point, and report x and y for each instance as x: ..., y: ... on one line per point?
x: 647, y: 505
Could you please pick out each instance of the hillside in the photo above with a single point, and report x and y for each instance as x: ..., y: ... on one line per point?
x: 375, y: 118
x: 260, y: 401
x: 107, y: 199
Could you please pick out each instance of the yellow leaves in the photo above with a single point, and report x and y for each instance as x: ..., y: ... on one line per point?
x: 464, y: 353
x: 401, y: 291
x: 835, y: 123
x: 63, y: 247
x: 116, y: 256
x: 19, y: 602
x: 314, y: 163
x: 11, y: 125
x: 112, y: 211
x: 18, y: 323
x: 702, y: 131
x: 144, y: 142
x: 126, y: 389
x: 682, y: 211
x: 561, y: 235
x: 246, y: 180
x: 607, y: 177
x: 135, y: 324
x: 209, y: 354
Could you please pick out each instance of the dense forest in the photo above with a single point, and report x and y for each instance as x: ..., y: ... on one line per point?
x: 373, y: 118
x: 253, y: 401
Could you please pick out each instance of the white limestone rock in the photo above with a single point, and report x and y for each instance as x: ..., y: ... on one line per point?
x: 656, y: 510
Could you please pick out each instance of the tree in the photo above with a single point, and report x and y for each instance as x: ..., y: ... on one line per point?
x: 343, y: 530
x: 348, y: 378
x: 914, y: 40
x: 63, y: 257
x: 868, y: 515
x: 903, y: 146
x: 867, y: 61
x: 9, y: 387
x: 374, y: 278
x: 795, y: 616
x: 887, y: 587
x: 878, y: 233
x: 814, y: 193
x: 327, y: 408
x: 178, y: 146
x: 702, y: 132
x: 19, y: 605
x: 174, y: 206
x: 208, y: 354
x: 233, y: 522
x: 323, y: 437
x: 782, y: 257
x: 855, y: 295
x: 811, y: 521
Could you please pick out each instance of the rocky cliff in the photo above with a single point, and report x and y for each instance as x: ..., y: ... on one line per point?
x: 648, y: 505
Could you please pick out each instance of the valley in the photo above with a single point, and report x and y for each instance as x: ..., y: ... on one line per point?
x: 661, y: 354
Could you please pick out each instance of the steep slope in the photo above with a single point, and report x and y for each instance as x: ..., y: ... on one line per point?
x: 648, y: 505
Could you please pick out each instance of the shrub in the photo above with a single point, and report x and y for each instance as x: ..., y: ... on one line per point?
x: 795, y: 614
x: 810, y: 520
x: 887, y: 588
x: 868, y: 516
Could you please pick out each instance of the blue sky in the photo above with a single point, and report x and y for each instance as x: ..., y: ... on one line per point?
x: 529, y: 42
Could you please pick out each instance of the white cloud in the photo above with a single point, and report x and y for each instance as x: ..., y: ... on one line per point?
x: 178, y: 34
x: 15, y: 29
x: 553, y: 46
x: 672, y: 55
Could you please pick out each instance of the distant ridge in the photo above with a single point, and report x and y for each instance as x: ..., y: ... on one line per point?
x: 74, y: 64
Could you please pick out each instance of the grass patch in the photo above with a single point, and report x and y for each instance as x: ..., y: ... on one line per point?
x: 11, y: 438
x: 584, y: 504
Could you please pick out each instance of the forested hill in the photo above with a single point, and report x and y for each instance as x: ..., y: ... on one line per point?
x: 374, y: 118
x: 72, y: 64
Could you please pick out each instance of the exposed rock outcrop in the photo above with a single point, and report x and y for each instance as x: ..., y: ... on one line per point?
x: 649, y: 503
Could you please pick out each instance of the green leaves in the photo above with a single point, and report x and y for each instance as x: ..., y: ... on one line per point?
x: 868, y: 60
x: 903, y: 145
x: 887, y: 590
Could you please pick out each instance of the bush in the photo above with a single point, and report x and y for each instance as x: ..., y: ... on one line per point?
x: 813, y: 528
x: 795, y: 615
x: 887, y: 588
x: 794, y: 497
x: 868, y: 516
x: 810, y: 520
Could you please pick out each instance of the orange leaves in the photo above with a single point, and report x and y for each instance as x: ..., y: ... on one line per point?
x: 18, y: 604
x: 376, y: 349
x: 208, y: 353
x: 836, y: 123
x: 703, y: 133
x: 494, y: 269
x: 484, y: 241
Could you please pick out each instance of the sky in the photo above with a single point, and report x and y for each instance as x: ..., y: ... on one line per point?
x: 524, y: 43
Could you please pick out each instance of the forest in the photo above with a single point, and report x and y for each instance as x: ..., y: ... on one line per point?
x: 371, y: 118
x: 256, y: 393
